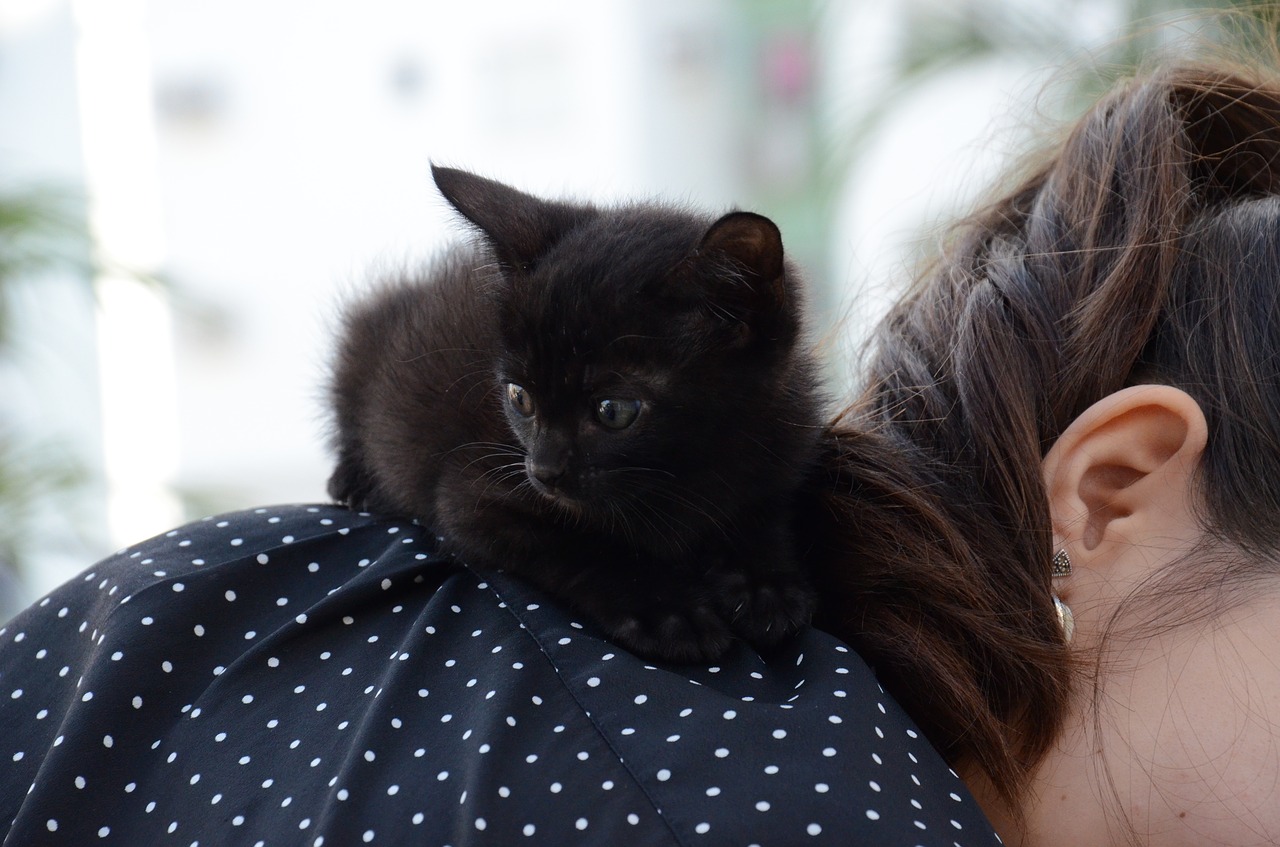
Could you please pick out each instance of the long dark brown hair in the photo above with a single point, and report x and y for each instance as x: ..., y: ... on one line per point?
x: 1144, y: 247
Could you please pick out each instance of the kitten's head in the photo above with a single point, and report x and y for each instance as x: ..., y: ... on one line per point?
x: 650, y: 365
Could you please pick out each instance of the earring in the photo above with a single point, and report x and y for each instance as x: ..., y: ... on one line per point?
x: 1060, y: 566
x: 1066, y: 619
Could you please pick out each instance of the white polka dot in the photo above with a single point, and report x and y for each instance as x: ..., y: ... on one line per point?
x: 814, y: 829
x: 664, y: 775
x: 872, y: 814
x: 702, y: 828
x: 51, y: 825
x: 762, y: 806
x: 529, y: 829
x: 779, y: 734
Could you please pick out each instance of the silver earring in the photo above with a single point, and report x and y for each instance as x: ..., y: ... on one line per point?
x: 1066, y: 619
x: 1060, y: 566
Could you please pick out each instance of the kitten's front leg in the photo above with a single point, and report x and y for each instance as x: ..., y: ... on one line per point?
x: 690, y: 631
x: 762, y: 589
x: 351, y: 483
x: 648, y: 607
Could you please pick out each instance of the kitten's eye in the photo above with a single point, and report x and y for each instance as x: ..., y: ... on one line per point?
x: 617, y: 414
x: 520, y: 400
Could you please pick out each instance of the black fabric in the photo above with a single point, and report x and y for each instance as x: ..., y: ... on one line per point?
x: 309, y: 676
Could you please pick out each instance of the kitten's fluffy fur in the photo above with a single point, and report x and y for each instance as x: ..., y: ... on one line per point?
x: 615, y: 404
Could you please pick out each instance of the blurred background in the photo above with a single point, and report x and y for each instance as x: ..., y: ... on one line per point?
x: 189, y: 189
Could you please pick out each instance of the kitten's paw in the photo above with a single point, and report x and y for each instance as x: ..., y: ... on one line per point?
x: 691, y: 635
x: 350, y: 485
x: 764, y: 609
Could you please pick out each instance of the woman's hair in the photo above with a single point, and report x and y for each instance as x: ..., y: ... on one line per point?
x: 1144, y: 248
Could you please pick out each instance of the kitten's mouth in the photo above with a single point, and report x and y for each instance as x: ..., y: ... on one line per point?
x: 558, y: 496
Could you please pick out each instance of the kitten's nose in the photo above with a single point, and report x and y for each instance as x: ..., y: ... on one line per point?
x: 549, y: 469
x: 548, y: 475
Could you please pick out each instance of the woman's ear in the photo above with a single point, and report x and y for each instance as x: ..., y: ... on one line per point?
x: 1119, y: 479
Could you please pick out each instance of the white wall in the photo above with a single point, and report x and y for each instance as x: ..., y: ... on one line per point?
x: 280, y: 153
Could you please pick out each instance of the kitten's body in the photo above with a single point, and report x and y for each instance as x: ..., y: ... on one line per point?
x: 614, y: 404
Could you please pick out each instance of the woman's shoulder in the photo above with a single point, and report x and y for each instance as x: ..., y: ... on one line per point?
x: 309, y: 669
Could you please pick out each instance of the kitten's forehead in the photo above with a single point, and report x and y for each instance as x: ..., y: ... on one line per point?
x: 596, y: 377
x: 593, y: 310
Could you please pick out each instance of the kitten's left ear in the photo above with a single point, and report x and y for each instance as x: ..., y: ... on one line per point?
x: 752, y: 245
x: 520, y: 227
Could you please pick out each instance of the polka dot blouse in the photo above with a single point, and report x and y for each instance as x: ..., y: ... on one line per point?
x: 309, y: 676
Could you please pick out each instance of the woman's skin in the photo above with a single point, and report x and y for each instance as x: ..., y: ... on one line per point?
x: 1178, y: 744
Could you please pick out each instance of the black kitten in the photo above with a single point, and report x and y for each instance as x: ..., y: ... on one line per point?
x: 614, y: 404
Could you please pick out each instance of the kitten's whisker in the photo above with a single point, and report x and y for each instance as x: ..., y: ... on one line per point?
x: 669, y: 521
x: 695, y: 501
x: 497, y: 450
x: 646, y: 470
x: 480, y: 378
x: 703, y: 507
x: 435, y: 351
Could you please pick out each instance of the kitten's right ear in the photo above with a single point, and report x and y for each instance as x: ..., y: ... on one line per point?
x: 519, y: 226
